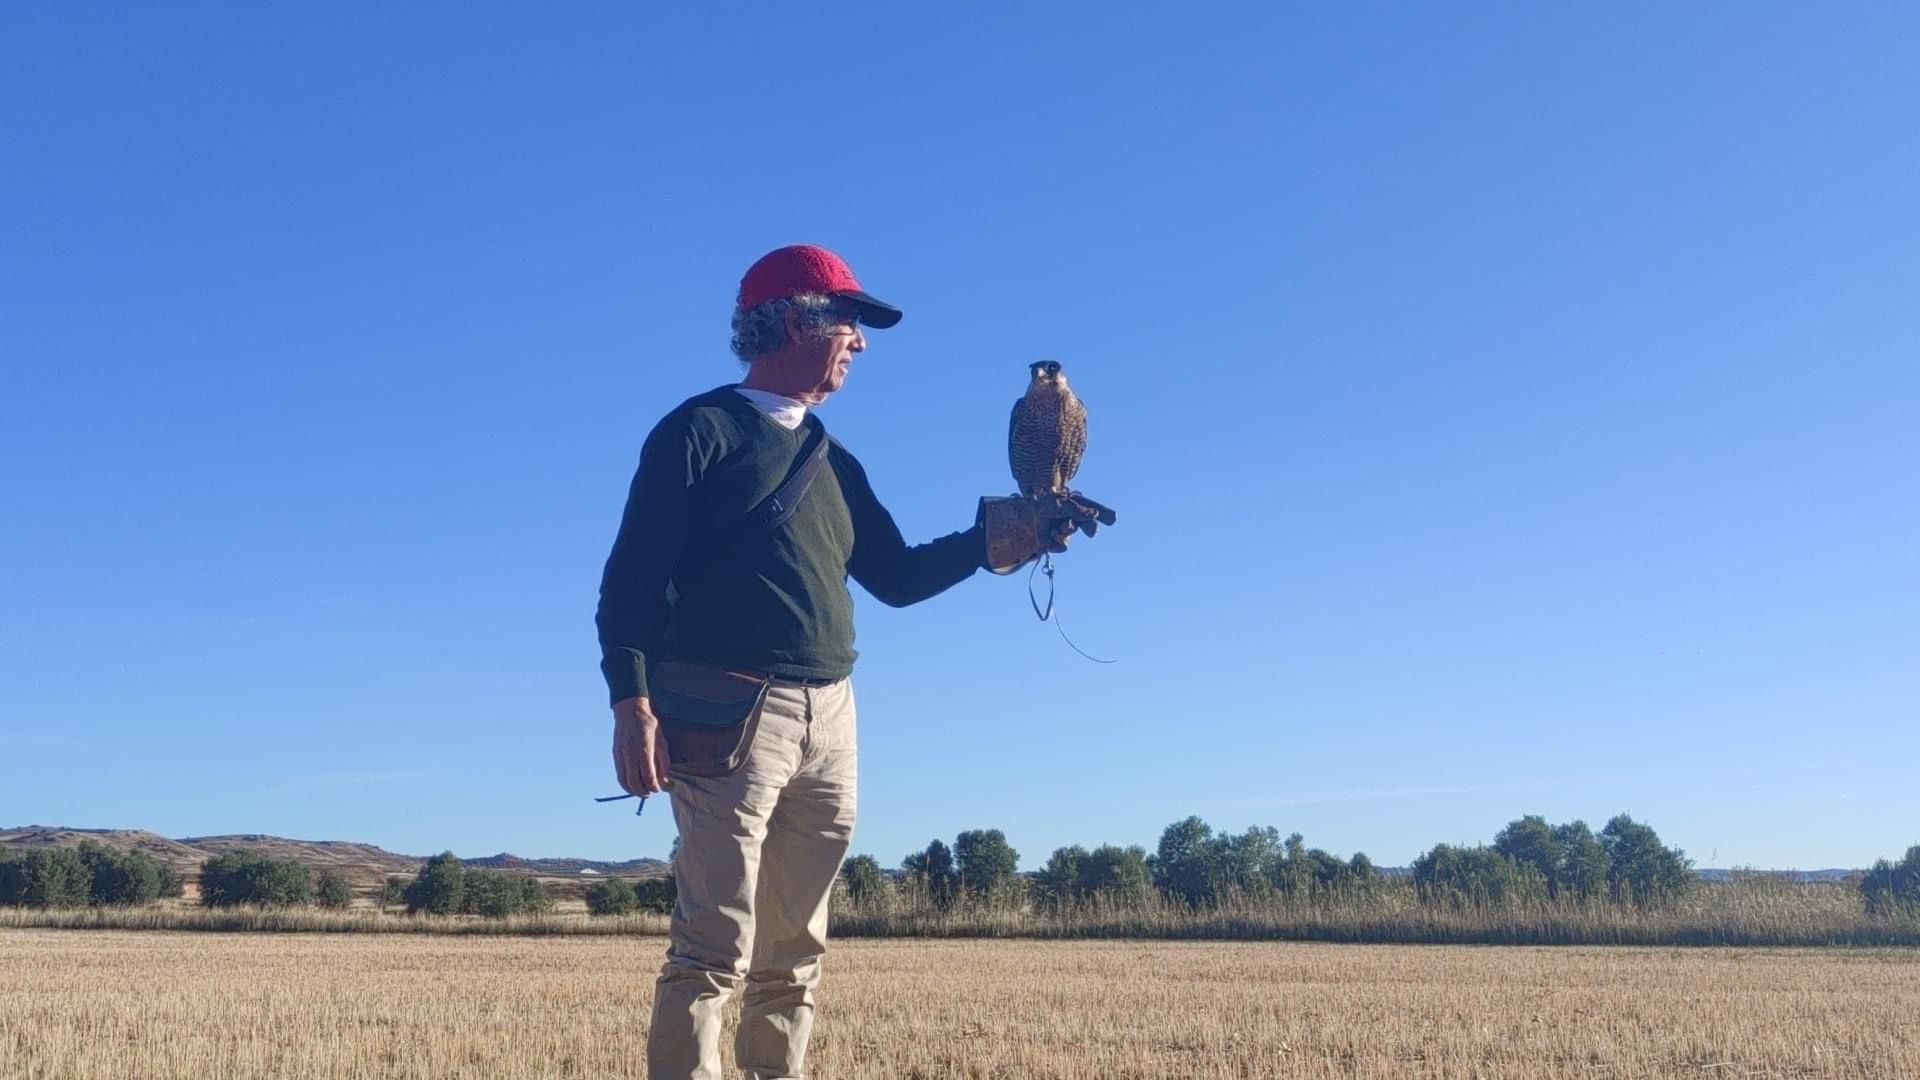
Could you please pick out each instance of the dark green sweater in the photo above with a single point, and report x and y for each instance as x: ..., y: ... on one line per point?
x: 773, y: 601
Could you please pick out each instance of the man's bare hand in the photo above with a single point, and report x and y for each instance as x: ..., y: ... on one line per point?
x: 639, y: 749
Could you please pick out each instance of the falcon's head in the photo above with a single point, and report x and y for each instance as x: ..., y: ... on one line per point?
x: 1047, y: 373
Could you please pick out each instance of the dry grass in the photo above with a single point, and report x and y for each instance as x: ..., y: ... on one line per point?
x: 156, y: 1004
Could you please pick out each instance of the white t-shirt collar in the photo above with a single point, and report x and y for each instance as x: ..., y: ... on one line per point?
x: 785, y: 411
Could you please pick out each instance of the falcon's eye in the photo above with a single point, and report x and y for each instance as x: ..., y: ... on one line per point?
x: 1053, y: 369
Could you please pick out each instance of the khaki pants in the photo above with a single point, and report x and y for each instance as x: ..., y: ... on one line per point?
x: 758, y: 854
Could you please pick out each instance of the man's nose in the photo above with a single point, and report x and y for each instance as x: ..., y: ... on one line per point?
x: 859, y: 343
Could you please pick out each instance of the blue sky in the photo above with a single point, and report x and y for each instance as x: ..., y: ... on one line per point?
x: 1509, y: 410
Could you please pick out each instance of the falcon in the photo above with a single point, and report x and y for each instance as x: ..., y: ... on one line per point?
x: 1048, y: 433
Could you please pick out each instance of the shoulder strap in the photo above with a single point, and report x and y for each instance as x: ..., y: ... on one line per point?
x: 775, y: 510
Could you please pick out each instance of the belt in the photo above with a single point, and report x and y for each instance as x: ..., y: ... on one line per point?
x: 786, y: 680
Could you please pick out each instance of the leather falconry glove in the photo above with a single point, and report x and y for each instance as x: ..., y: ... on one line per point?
x: 1023, y: 528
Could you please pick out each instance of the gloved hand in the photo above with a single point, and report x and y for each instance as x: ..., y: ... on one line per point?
x: 1022, y: 528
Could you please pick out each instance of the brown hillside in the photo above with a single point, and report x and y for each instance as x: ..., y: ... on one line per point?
x: 363, y: 865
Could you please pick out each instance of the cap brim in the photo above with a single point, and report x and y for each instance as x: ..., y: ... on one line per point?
x: 875, y: 313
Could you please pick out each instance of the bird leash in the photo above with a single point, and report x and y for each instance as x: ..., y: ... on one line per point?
x: 629, y: 795
x: 1044, y: 565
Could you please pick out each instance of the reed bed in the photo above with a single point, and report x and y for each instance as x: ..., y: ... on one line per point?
x: 1752, y: 912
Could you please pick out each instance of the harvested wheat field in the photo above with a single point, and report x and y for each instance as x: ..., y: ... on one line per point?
x: 161, y: 1004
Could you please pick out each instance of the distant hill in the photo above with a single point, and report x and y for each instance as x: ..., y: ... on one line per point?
x: 1707, y: 873
x: 1831, y: 874
x: 364, y: 865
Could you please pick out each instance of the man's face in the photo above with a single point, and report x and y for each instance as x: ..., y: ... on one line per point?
x: 821, y: 365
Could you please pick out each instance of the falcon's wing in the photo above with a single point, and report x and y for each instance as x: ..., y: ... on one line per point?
x: 1073, y: 439
x: 1013, y: 442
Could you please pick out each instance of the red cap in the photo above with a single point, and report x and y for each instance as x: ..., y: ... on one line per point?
x: 800, y: 268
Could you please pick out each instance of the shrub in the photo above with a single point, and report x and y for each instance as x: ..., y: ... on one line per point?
x: 330, y: 890
x: 656, y: 894
x: 393, y: 891
x: 489, y: 892
x: 494, y: 894
x: 611, y: 896
x: 251, y: 877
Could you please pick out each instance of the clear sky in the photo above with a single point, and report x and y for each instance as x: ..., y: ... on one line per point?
x: 1509, y: 410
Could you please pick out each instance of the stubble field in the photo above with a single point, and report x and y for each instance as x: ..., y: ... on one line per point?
x: 169, y: 1004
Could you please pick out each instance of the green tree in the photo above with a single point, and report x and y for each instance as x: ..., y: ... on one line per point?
x: 1582, y: 873
x: 1302, y: 869
x: 1058, y: 883
x: 1298, y: 869
x: 1182, y: 866
x: 657, y: 894
x: 393, y: 891
x: 611, y: 896
x: 988, y: 865
x: 1640, y: 869
x: 1115, y: 874
x: 1247, y: 863
x: 1360, y: 869
x: 1891, y: 888
x: 934, y: 870
x: 252, y: 877
x: 1532, y: 846
x: 1473, y: 875
x: 44, y: 878
x: 330, y: 890
x: 488, y: 893
x: 497, y: 894
x: 866, y: 883
x: 439, y: 888
x: 123, y: 877
x: 534, y: 897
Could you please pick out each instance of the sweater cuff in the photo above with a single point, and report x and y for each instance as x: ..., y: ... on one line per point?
x: 976, y: 542
x: 625, y: 671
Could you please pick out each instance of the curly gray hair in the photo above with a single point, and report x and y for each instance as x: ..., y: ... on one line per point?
x: 760, y: 330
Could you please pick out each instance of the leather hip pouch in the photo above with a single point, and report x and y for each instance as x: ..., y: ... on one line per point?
x: 707, y: 714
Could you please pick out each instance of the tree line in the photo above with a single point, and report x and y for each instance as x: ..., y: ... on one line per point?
x: 88, y: 874
x: 1193, y: 866
x: 92, y: 874
x: 1625, y: 863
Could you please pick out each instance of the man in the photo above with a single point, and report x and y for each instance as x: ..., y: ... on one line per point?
x: 731, y: 564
